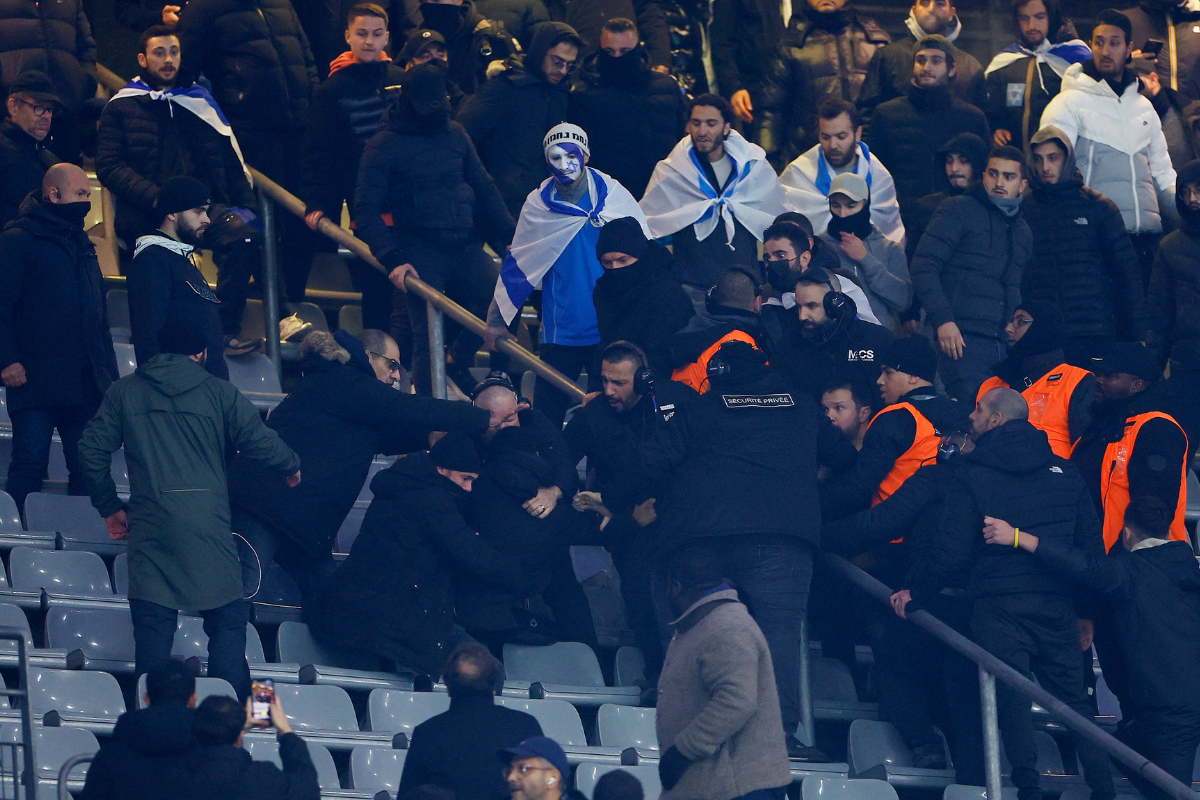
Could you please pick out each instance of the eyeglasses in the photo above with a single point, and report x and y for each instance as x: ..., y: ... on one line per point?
x: 392, y: 363
x: 562, y: 63
x: 521, y: 769
x: 1021, y: 322
x: 38, y: 109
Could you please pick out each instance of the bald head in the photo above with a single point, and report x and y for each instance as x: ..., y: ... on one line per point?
x: 995, y: 408
x: 66, y: 183
x: 504, y: 406
x: 736, y: 289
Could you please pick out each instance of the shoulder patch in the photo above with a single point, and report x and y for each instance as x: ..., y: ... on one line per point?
x: 1054, y: 377
x: 781, y: 400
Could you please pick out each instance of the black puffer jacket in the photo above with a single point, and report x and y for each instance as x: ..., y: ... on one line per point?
x: 337, y: 419
x: 23, y: 163
x: 821, y: 55
x: 257, y: 56
x: 346, y: 111
x: 967, y: 268
x: 151, y: 750
x: 630, y: 128
x: 143, y: 142
x: 509, y: 116
x: 53, y: 319
x: 472, y: 42
x: 891, y: 69
x: 1083, y: 260
x: 1010, y: 475
x: 916, y: 215
x: 54, y: 38
x: 394, y: 595
x: 906, y: 133
x: 430, y: 180
x: 587, y: 17
x: 644, y: 304
x: 740, y: 33
x: 1173, y: 300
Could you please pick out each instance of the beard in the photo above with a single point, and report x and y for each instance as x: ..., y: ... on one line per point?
x: 192, y: 236
x: 813, y: 332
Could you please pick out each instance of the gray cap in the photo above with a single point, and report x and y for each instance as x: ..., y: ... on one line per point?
x: 851, y: 185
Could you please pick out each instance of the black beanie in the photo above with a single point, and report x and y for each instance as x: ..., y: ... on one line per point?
x: 622, y: 235
x: 181, y: 193
x: 456, y: 451
x: 181, y: 336
x: 912, y: 355
x: 1044, y: 334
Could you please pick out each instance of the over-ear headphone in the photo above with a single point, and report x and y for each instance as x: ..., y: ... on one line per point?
x: 643, y: 377
x: 496, y: 379
x: 711, y: 307
x: 718, y: 367
x: 839, y: 305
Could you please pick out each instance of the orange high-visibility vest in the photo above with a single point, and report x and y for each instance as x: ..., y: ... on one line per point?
x: 1114, y: 481
x: 922, y: 451
x: 695, y: 374
x: 1049, y: 400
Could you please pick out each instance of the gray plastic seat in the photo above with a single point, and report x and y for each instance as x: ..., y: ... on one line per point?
x: 587, y: 775
x: 834, y: 694
x: 13, y: 617
x: 349, y: 529
x: 205, y: 688
x: 90, y: 700
x: 192, y: 642
x: 819, y: 788
x: 874, y: 749
x: 98, y: 638
x: 13, y: 534
x: 266, y: 748
x: 565, y: 671
x: 350, y: 319
x: 63, y: 575
x: 560, y: 721
x: 120, y: 472
x: 396, y: 712
x: 325, y: 714
x: 626, y: 726
x: 1192, y: 510
x: 126, y: 358
x: 295, y: 644
x: 120, y: 572
x: 376, y: 769
x: 78, y: 525
x: 254, y: 374
x: 365, y: 495
x: 629, y: 666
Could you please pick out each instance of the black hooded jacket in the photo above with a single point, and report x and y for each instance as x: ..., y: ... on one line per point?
x: 472, y: 42
x: 337, y: 418
x: 23, y: 163
x: 508, y: 117
x: 1083, y: 260
x: 1173, y: 300
x: 852, y: 352
x: 706, y: 329
x: 53, y: 317
x: 1010, y: 475
x: 917, y: 215
x: 147, y: 758
x: 428, y: 177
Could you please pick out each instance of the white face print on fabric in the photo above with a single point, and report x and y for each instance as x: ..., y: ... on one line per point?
x: 566, y: 162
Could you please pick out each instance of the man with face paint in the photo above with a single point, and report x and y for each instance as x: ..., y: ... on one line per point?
x: 555, y: 246
x: 56, y: 353
x: 632, y: 114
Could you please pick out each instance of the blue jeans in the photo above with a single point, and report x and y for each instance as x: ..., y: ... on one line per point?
x: 962, y: 378
x: 154, y: 633
x: 33, y: 428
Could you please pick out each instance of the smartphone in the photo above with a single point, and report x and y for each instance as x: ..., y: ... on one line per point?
x: 1153, y: 47
x: 262, y: 693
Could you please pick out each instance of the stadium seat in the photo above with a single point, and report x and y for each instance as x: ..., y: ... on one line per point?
x: 255, y: 376
x: 396, y: 712
x: 586, y: 776
x: 4, y: 418
x: 564, y: 671
x: 52, y: 747
x: 13, y: 617
x: 560, y: 721
x: 874, y: 749
x: 1192, y: 511
x: 66, y: 577
x: 90, y: 700
x: 629, y: 667
x: 266, y: 748
x: 834, y: 695
x: 13, y: 534
x: 325, y: 714
x: 376, y: 769
x: 626, y: 726
x: 192, y: 642
x: 120, y: 472
x: 118, y: 315
x: 820, y: 788
x: 120, y: 574
x: 350, y: 319
x: 78, y: 525
x: 126, y: 358
x: 96, y: 638
x: 205, y: 687
x: 294, y: 643
x: 365, y: 495
x: 957, y: 791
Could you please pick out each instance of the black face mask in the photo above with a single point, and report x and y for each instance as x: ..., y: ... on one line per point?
x: 620, y: 71
x: 780, y: 274
x: 442, y: 17
x: 858, y: 223
x: 72, y: 213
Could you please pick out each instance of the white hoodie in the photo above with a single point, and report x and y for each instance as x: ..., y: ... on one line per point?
x: 1119, y: 146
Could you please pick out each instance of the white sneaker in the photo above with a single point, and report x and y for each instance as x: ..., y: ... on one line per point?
x: 291, y: 327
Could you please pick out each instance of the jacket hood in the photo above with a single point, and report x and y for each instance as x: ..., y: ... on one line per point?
x: 1078, y: 77
x: 157, y: 730
x: 1016, y: 448
x: 1071, y: 179
x: 334, y: 351
x: 1189, y: 173
x: 172, y: 374
x: 545, y: 36
x: 652, y: 266
x: 1176, y: 562
x: 1045, y: 333
x: 704, y: 329
x: 358, y: 353
x: 966, y: 144
x: 413, y: 473
x: 401, y: 117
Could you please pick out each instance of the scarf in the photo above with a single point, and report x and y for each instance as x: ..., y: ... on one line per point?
x: 951, y: 33
x: 546, y: 226
x: 194, y: 98
x: 1057, y: 56
x: 858, y: 223
x: 680, y: 194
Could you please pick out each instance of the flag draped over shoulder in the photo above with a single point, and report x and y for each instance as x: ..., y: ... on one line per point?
x: 546, y: 226
x: 680, y: 193
x: 1058, y: 56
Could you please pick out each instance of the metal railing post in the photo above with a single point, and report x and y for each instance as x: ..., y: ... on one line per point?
x: 437, y: 350
x: 807, y: 736
x: 270, y: 272
x: 991, y: 732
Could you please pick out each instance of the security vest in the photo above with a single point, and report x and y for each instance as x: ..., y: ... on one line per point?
x: 1049, y: 399
x: 922, y: 451
x: 695, y: 374
x: 1114, y: 482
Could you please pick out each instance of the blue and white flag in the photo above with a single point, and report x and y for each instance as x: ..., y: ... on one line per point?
x: 1058, y: 56
x: 680, y: 193
x: 194, y: 98
x: 807, y: 181
x: 547, y: 225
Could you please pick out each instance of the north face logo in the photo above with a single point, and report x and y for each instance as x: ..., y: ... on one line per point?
x: 1057, y: 469
x: 1081, y: 221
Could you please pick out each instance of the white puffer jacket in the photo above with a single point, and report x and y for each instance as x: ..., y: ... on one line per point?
x: 1119, y: 146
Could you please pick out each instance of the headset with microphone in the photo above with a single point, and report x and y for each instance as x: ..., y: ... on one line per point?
x: 496, y: 379
x: 643, y: 377
x: 838, y: 305
x: 711, y: 306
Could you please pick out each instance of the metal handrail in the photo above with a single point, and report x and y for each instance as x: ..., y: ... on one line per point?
x: 989, y: 663
x: 29, y: 777
x: 64, y: 773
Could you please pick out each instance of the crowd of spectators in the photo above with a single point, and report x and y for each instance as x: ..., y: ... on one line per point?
x: 833, y: 293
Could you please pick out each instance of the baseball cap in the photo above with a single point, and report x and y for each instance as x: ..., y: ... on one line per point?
x: 418, y: 43
x: 537, y: 747
x: 851, y: 185
x: 1131, y: 358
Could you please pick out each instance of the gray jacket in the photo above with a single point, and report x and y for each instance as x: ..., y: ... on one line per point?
x: 717, y: 703
x: 883, y: 276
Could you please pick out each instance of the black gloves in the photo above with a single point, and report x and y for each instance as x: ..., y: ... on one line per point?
x: 671, y: 766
